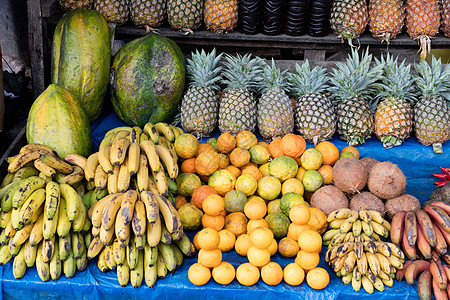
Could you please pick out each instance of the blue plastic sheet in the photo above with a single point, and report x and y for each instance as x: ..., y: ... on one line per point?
x: 416, y: 161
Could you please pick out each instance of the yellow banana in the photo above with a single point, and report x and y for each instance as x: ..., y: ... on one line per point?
x: 55, y: 264
x: 87, y: 239
x: 161, y: 267
x: 73, y: 178
x: 64, y: 225
x: 134, y: 152
x: 118, y: 151
x: 357, y: 228
x: 6, y: 201
x: 52, y: 196
x: 375, y: 216
x: 151, y: 132
x: 367, y: 228
x: 77, y: 245
x: 150, y: 274
x: 142, y: 173
x: 329, y: 234
x: 396, y: 262
x: 132, y: 254
x: 31, y: 204
x: 161, y: 182
x: 30, y: 254
x: 349, y: 263
x: 385, y: 265
x: 48, y: 249
x: 109, y: 257
x: 101, y: 263
x: 379, y: 229
x: 7, y: 179
x: 113, y: 178
x: 95, y: 211
x: 148, y: 147
x: 169, y: 146
x: 127, y: 206
x: 100, y: 178
x: 64, y: 245
x: 165, y: 235
x: 91, y: 165
x: 356, y: 280
x: 69, y: 265
x: 76, y: 159
x: 122, y: 229
x: 342, y: 213
x: 139, y: 220
x: 176, y: 130
x: 25, y: 188
x: 135, y: 134
x: 44, y: 227
x: 137, y: 274
x: 79, y: 186
x: 90, y: 185
x: 154, y: 232
x: 73, y: 201
x: 42, y: 267
x: 5, y: 217
x: 143, y: 137
x: 367, y: 284
x: 140, y: 241
x: 44, y: 168
x: 22, y: 235
x: 336, y: 223
x: 13, y: 248
x: 24, y: 173
x: 78, y: 223
x: 82, y: 261
x: 95, y: 247
x: 124, y: 178
x: 123, y: 274
x: 36, y: 146
x: 110, y: 211
x: 9, y: 232
x: 103, y: 159
x: 106, y: 236
x: 362, y: 263
x: 56, y: 163
x: 151, y: 205
x: 395, y: 250
x: 169, y: 161
x: 344, y: 248
x: 373, y: 262
x: 19, y: 265
x: 349, y: 237
x: 178, y: 254
x: 21, y: 159
x: 165, y: 130
x: 119, y: 253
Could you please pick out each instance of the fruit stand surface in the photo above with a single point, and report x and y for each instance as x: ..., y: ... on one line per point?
x: 416, y: 161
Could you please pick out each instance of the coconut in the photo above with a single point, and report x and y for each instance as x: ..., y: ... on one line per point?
x: 369, y: 162
x: 386, y: 180
x: 404, y: 202
x: 329, y: 198
x: 349, y: 174
x: 366, y: 201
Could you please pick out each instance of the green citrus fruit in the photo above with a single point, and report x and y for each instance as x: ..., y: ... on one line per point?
x: 288, y: 200
x: 269, y: 187
x: 213, y: 142
x: 235, y: 201
x: 274, y: 206
x: 283, y: 167
x: 311, y: 159
x: 186, y: 145
x: 191, y: 216
x: 222, y: 181
x: 346, y: 154
x: 187, y: 183
x: 312, y: 180
x: 246, y: 183
x: 259, y: 154
x: 278, y: 224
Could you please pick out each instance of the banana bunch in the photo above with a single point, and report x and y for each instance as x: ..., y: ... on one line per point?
x: 423, y: 234
x: 130, y: 152
x: 138, y: 234
x: 357, y: 252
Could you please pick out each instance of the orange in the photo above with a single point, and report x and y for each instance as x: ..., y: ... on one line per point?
x: 247, y: 274
x: 300, y: 173
x: 294, y: 230
x: 264, y: 169
x: 224, y: 161
x: 224, y: 273
x: 310, y: 241
x: 274, y: 206
x: 258, y: 257
x: 272, y: 273
x: 317, y: 278
x: 239, y: 157
x: 264, y: 144
x: 352, y: 150
x: 346, y: 154
x: 226, y: 142
x: 261, y: 237
x: 227, y: 240
x: 307, y: 260
x: 200, y: 194
x: 300, y: 214
x: 210, y: 258
x: 293, y: 274
x: 253, y: 224
x: 318, y: 220
x: 311, y: 159
x: 288, y: 247
x: 259, y: 154
x: 207, y: 162
x: 327, y: 174
x: 246, y: 139
x: 273, y: 248
x: 186, y: 145
x: 255, y: 209
x: 242, y: 244
x: 293, y: 145
x: 198, y: 274
x: 292, y: 185
x: 251, y: 169
x: 188, y: 165
x: 234, y: 170
x: 204, y: 147
x: 214, y: 222
x: 195, y: 241
x: 329, y: 152
x: 208, y: 239
x: 236, y: 223
x: 213, y: 205
x: 247, y: 184
x: 275, y: 148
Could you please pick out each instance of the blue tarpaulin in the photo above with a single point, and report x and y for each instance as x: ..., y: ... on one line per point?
x: 416, y: 161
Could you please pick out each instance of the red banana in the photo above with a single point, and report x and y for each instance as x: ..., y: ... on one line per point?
x: 446, y: 257
x: 410, y: 251
x: 411, y: 227
x: 400, y: 274
x: 439, y: 216
x: 439, y: 274
x: 414, y: 269
x: 438, y: 293
x: 424, y: 285
x: 447, y: 271
x: 424, y: 222
x: 442, y: 205
x: 423, y: 245
x: 441, y: 243
x: 397, y: 227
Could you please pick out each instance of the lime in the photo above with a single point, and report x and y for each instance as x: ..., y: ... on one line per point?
x: 213, y: 142
x: 191, y: 216
x: 346, y: 154
x: 235, y: 201
x: 274, y: 206
x: 246, y: 183
x: 187, y: 183
x: 259, y: 154
x: 269, y: 187
x: 283, y: 167
x: 311, y: 159
x: 288, y: 200
x: 278, y: 224
x: 312, y: 180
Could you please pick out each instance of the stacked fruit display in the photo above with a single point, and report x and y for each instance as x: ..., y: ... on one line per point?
x: 43, y: 219
x: 357, y: 252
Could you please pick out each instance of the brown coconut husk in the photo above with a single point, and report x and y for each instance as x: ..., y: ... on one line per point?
x: 404, y: 202
x: 350, y: 175
x: 386, y: 180
x: 329, y: 198
x: 367, y: 201
x: 368, y: 162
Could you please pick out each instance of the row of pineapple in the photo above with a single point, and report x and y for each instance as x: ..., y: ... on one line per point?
x: 344, y: 99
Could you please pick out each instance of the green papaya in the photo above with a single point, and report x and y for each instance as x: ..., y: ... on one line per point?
x: 149, y: 79
x: 81, y: 57
x: 56, y: 119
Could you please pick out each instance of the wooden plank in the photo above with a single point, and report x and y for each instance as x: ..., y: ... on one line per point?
x: 48, y: 8
x: 13, y: 149
x: 36, y: 47
x: 315, y: 55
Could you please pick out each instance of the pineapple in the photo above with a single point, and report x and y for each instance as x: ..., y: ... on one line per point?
x: 185, y: 15
x: 200, y: 106
x: 422, y: 22
x: 237, y: 107
x: 315, y: 117
x: 275, y: 113
x: 445, y: 17
x: 74, y: 4
x: 349, y: 18
x: 431, y: 112
x: 148, y: 13
x: 394, y: 114
x: 351, y: 84
x: 114, y: 11
x: 221, y: 15
x: 386, y: 18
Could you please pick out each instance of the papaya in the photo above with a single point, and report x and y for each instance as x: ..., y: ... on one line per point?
x: 81, y: 58
x: 148, y: 80
x: 57, y: 119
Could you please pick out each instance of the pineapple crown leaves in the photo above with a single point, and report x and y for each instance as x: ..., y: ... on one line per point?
x: 273, y: 77
x: 355, y: 77
x: 397, y: 80
x: 242, y: 72
x: 432, y: 80
x: 306, y: 80
x: 202, y: 69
